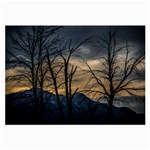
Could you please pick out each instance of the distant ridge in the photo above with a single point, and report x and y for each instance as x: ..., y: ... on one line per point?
x: 19, y: 110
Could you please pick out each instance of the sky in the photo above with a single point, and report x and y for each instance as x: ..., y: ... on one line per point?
x: 135, y: 35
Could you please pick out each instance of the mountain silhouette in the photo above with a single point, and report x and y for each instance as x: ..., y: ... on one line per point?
x: 20, y: 110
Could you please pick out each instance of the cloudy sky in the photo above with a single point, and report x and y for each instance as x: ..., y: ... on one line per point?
x: 135, y: 35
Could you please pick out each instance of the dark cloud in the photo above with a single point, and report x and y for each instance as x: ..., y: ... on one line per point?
x: 133, y: 34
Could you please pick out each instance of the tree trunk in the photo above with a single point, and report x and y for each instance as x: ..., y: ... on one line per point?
x: 69, y: 111
x: 69, y: 102
x: 110, y: 111
x: 60, y: 107
x: 56, y: 89
x: 36, y: 106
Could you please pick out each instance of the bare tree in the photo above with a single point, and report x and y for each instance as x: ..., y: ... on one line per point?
x: 26, y: 43
x: 54, y: 68
x: 69, y: 71
x: 119, y: 69
x: 46, y: 36
x: 30, y: 60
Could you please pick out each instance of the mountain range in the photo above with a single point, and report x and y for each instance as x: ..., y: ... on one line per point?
x: 20, y: 110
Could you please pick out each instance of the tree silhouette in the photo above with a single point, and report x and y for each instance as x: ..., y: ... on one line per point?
x: 66, y: 54
x: 119, y: 69
x: 54, y: 66
x: 30, y: 65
